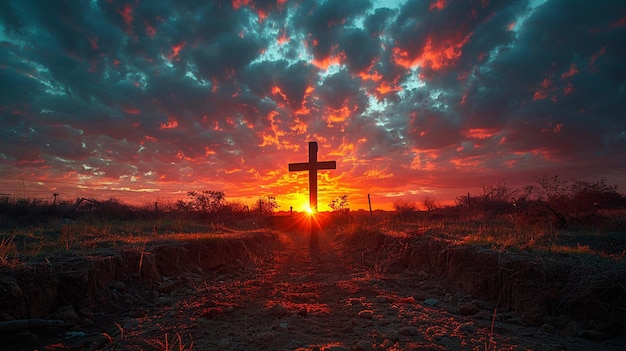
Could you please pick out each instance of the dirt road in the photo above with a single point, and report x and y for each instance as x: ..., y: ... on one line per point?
x: 324, y: 300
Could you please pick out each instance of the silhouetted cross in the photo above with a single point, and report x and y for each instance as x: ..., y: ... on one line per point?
x: 312, y: 166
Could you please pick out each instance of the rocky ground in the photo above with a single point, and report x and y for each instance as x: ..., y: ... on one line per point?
x: 298, y: 299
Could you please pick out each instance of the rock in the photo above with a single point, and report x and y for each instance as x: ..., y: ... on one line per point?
x: 99, y: 341
x: 431, y: 302
x: 119, y: 286
x: 85, y: 322
x: 468, y: 309
x: 547, y: 328
x: 347, y: 329
x: 366, y: 314
x: 423, y: 275
x: 74, y: 334
x: 426, y: 347
x: 131, y: 324
x: 170, y: 286
x: 409, y: 331
x: 383, y: 322
x: 391, y: 334
x: 85, y: 312
x: 419, y: 296
x: 67, y: 314
x: 363, y: 345
x: 5, y: 317
x: 164, y: 301
x: 594, y: 335
x: 337, y: 347
x: 212, y: 313
x: 10, y: 286
x: 224, y: 344
x: 387, y: 344
x: 534, y: 316
x: 383, y: 298
x: 468, y: 328
x: 571, y: 329
x: 277, y: 310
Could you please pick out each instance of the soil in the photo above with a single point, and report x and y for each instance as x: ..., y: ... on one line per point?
x: 297, y: 298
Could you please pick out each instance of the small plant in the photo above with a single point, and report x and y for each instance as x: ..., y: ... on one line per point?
x: 177, y: 344
x: 7, y: 249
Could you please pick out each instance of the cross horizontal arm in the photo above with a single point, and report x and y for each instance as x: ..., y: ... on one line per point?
x: 306, y: 166
x: 327, y: 165
x: 294, y: 167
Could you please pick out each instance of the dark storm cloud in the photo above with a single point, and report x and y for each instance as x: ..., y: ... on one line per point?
x: 361, y: 50
x: 340, y: 88
x: 223, y: 92
x: 547, y: 89
x: 323, y: 23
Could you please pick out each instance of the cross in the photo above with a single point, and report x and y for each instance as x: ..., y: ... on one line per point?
x: 312, y: 166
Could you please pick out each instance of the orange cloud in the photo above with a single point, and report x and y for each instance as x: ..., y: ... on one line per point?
x: 238, y: 3
x: 282, y: 37
x: 571, y: 72
x: 385, y: 88
x: 327, y: 61
x: 175, y: 50
x: 171, y: 123
x: 434, y: 55
x: 480, y: 133
x: 131, y: 110
x: 437, y: 4
x: 127, y: 17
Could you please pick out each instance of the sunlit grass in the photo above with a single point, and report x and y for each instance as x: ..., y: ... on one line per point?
x: 84, y: 236
x: 503, y: 234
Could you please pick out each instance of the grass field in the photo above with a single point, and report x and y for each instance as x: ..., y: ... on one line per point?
x: 30, y: 232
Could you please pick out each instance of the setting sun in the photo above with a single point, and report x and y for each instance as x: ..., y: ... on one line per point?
x: 309, y: 210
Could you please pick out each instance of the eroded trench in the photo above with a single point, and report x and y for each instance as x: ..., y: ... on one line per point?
x: 562, y: 288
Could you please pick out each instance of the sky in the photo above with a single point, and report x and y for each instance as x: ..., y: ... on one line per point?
x: 146, y: 100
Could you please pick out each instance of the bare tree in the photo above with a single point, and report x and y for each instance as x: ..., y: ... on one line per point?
x: 576, y: 201
x: 429, y: 203
x: 340, y: 204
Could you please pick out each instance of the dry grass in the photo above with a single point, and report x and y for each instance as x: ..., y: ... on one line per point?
x: 84, y: 236
x: 506, y: 233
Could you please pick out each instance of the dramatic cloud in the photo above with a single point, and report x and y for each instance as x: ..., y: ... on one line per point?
x: 146, y: 100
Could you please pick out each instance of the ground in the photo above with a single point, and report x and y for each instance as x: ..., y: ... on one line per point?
x: 324, y: 299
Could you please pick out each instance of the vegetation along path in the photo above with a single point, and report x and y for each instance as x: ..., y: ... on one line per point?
x: 321, y: 300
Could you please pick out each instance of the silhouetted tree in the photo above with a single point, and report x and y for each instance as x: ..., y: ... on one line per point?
x: 405, y: 210
x: 207, y: 201
x: 267, y: 205
x: 340, y: 204
x: 576, y: 201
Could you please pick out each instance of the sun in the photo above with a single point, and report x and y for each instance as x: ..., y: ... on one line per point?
x: 309, y: 211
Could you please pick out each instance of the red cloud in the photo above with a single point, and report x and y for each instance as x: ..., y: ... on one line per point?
x: 171, y: 123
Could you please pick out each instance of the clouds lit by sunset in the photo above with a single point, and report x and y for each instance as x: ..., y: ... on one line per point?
x: 146, y: 100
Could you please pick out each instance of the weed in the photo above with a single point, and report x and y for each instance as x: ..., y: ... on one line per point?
x: 177, y: 344
x: 7, y: 249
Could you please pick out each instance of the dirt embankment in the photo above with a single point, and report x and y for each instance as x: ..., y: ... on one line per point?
x: 42, y: 288
x: 554, y: 289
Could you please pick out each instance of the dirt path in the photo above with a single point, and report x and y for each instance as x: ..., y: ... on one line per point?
x: 323, y: 301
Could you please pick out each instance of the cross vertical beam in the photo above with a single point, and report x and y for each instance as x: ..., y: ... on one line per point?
x: 312, y: 167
